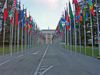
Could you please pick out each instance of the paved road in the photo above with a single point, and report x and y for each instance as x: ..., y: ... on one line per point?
x: 48, y: 60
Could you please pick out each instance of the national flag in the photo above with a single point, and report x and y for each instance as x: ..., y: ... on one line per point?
x: 76, y: 21
x: 67, y: 19
x: 57, y: 28
x: 71, y: 16
x: 85, y: 16
x: 16, y: 18
x: 5, y: 15
x: 19, y: 13
x: 22, y: 17
x: 80, y: 18
x: 63, y: 18
x: 62, y: 33
x: 11, y: 17
x: 76, y: 7
x: 91, y: 7
x: 13, y: 7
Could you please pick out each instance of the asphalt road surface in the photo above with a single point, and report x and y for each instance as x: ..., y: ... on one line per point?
x: 48, y: 60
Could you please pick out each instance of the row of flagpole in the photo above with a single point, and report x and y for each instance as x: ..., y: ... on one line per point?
x: 75, y: 34
x: 27, y: 40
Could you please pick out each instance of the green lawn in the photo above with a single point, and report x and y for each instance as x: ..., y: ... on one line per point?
x: 6, y: 49
x: 88, y: 50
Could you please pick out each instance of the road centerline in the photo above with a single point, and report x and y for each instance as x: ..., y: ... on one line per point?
x: 4, y: 62
x: 36, y: 72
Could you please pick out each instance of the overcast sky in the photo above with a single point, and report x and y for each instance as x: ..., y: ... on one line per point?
x: 45, y: 12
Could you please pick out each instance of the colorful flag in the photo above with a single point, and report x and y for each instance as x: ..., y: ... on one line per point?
x: 76, y: 21
x: 85, y: 16
x: 16, y: 18
x: 19, y: 14
x: 91, y: 7
x: 76, y: 7
x: 62, y: 33
x: 5, y: 15
x: 11, y: 17
x: 80, y: 18
x: 67, y: 17
x: 71, y: 16
x: 22, y: 16
x: 13, y: 7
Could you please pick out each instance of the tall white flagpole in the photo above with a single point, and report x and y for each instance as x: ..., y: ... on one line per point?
x: 98, y: 27
x: 80, y: 38
x: 10, y: 40
x: 18, y: 39
x: 91, y: 35
x: 70, y: 38
x: 85, y: 37
x: 15, y: 39
x: 30, y: 41
x: 3, y: 37
x: 74, y: 27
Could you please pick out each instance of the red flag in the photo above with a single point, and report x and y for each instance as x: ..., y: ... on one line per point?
x: 62, y: 33
x: 5, y: 15
x: 76, y: 7
x: 16, y: 18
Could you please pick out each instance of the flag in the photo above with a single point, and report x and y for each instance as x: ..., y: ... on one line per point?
x: 13, y: 7
x: 80, y: 18
x: 26, y: 22
x: 12, y: 12
x: 67, y: 19
x: 11, y: 17
x: 62, y: 33
x: 91, y: 7
x: 16, y: 18
x: 76, y: 21
x: 4, y: 10
x: 19, y: 14
x: 66, y: 14
x: 71, y: 16
x: 63, y: 18
x: 76, y: 7
x: 22, y: 16
x: 30, y: 22
x: 85, y: 16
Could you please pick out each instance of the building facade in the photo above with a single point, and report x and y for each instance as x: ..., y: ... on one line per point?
x: 48, y: 33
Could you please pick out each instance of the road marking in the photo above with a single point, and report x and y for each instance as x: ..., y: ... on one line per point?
x: 46, y: 70
x: 4, y: 62
x: 36, y: 52
x: 36, y: 72
x: 20, y: 55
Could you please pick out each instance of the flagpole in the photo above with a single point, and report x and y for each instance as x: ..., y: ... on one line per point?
x: 80, y: 38
x: 65, y: 34
x: 25, y: 40
x: 18, y: 39
x: 91, y: 35
x: 3, y: 37
x: 10, y: 40
x: 30, y: 41
x: 98, y: 27
x: 15, y: 39
x: 22, y: 38
x: 74, y: 28
x: 70, y: 39
x: 85, y: 37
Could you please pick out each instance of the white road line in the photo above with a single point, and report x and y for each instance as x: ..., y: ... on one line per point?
x: 4, y: 62
x: 36, y: 72
x: 20, y: 55
x: 36, y: 52
x: 46, y: 70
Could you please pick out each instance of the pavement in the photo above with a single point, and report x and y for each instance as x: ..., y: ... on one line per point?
x: 48, y: 60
